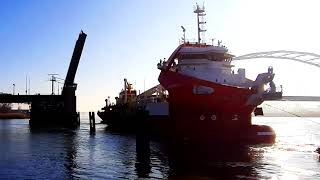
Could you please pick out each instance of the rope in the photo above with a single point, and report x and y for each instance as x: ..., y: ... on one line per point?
x: 284, y: 111
x: 296, y: 115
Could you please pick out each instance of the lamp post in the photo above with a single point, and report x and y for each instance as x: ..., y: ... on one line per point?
x: 13, y: 90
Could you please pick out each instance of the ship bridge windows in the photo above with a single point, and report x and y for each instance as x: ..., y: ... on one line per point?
x: 210, y: 56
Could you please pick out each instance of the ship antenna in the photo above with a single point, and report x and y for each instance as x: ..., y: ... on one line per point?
x: 53, y: 79
x: 200, y: 19
x: 26, y: 84
x: 184, y: 34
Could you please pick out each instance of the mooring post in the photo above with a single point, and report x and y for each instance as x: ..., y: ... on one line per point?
x: 78, y: 118
x: 92, y: 122
x: 143, y: 143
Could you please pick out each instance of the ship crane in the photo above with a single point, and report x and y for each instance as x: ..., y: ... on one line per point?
x: 126, y: 86
x: 158, y: 90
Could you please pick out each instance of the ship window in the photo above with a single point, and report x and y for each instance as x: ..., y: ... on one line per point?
x: 193, y: 56
x: 211, y: 56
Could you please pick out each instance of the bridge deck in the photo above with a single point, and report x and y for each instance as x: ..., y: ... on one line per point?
x: 8, y: 98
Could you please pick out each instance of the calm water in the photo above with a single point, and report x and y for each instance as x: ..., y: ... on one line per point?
x: 26, y: 154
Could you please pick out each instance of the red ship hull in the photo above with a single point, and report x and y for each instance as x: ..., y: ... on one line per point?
x: 222, y: 115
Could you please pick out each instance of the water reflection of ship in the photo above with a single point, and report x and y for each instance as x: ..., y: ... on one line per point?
x: 219, y: 162
x: 188, y: 161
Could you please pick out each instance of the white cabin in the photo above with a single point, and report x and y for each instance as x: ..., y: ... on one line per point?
x: 211, y: 63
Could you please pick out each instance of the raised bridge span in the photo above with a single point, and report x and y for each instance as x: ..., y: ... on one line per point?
x: 54, y: 110
x: 302, y: 57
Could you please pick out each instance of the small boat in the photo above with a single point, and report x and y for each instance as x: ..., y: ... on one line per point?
x: 131, y: 109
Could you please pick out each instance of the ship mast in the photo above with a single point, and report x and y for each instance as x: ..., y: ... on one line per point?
x: 125, y: 90
x: 200, y: 19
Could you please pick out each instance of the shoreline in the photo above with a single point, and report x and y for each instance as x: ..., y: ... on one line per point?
x: 14, y: 115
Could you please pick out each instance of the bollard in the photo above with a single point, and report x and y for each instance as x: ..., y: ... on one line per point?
x: 92, y: 122
x: 143, y: 166
x: 78, y: 118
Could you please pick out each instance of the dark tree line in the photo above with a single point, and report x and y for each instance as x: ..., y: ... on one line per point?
x: 5, y: 107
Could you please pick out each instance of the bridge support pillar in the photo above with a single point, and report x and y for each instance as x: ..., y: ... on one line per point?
x: 54, y: 111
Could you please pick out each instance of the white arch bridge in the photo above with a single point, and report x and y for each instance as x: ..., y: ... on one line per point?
x: 302, y: 57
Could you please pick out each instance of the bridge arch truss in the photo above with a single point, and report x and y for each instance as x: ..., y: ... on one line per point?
x: 303, y: 57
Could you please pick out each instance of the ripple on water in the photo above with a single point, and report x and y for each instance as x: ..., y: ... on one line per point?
x: 77, y: 154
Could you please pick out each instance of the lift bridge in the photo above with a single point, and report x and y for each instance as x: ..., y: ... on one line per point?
x: 302, y: 57
x: 54, y: 110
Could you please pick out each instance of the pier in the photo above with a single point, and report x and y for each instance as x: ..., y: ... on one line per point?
x: 54, y: 110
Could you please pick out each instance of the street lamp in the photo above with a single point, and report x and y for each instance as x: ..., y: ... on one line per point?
x: 13, y: 88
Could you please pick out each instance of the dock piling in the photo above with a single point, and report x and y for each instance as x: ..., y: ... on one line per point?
x: 92, y: 122
x: 78, y: 118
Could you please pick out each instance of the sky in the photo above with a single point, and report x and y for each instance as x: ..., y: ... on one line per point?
x: 126, y: 39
